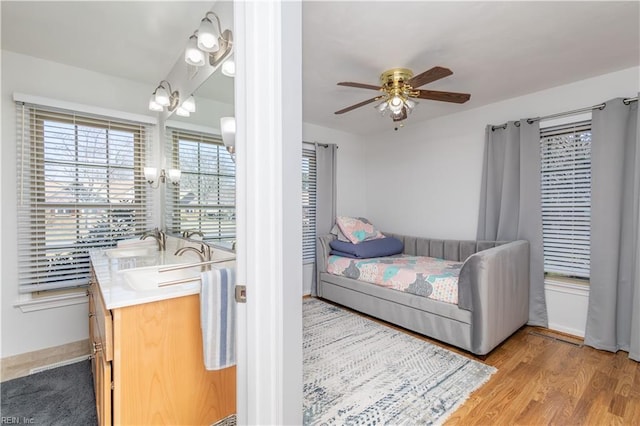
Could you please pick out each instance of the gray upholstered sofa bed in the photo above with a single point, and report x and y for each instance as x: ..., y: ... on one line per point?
x: 493, y: 292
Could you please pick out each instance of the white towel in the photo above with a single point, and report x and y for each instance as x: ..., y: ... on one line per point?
x: 218, y: 318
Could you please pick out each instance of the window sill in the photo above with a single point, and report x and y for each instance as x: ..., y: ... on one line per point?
x: 567, y: 285
x: 28, y: 304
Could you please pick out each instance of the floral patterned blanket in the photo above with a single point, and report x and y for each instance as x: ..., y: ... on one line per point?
x: 423, y: 276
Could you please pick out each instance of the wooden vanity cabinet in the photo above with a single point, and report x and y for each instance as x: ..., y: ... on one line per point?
x: 148, y: 365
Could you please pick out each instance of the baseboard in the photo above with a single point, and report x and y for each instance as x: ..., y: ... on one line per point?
x: 567, y: 330
x: 24, y: 364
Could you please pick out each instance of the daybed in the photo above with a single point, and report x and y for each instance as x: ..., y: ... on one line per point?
x: 493, y: 292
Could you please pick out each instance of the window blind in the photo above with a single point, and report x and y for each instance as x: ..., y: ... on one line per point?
x: 81, y: 187
x: 205, y: 198
x: 566, y: 198
x: 308, y: 204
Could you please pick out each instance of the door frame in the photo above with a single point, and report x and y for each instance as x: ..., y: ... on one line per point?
x: 268, y: 111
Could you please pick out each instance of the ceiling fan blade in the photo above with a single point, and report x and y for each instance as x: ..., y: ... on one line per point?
x: 435, y: 73
x: 403, y: 116
x: 352, y: 107
x: 359, y: 85
x: 434, y: 95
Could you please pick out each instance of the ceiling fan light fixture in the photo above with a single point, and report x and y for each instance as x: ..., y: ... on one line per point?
x: 399, y: 90
x: 382, y: 107
x: 395, y: 104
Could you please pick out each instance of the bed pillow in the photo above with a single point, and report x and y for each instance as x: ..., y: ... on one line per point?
x: 357, y: 229
x: 338, y: 233
x: 373, y: 248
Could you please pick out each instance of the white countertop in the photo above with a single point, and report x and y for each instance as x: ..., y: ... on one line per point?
x: 117, y: 293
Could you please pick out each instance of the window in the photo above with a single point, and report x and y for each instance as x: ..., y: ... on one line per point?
x: 205, y: 198
x: 308, y: 205
x: 566, y: 198
x: 81, y: 188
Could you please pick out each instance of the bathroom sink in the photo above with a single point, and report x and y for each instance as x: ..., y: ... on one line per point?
x: 155, y: 277
x: 119, y: 253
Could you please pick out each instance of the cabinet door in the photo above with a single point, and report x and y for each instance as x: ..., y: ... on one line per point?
x: 102, y: 380
x: 93, y: 331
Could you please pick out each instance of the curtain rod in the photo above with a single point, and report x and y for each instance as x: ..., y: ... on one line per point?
x: 601, y: 106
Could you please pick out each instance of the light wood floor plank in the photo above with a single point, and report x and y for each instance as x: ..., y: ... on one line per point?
x: 542, y: 380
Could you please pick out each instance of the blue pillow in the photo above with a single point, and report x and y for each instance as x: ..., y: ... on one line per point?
x: 366, y: 249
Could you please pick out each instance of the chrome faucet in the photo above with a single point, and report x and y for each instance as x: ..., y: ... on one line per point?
x: 205, y: 252
x: 157, y: 235
x: 191, y: 232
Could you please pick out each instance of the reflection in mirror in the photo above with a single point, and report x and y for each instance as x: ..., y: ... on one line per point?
x: 204, y: 200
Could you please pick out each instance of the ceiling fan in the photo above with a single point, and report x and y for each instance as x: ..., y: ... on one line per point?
x: 399, y: 89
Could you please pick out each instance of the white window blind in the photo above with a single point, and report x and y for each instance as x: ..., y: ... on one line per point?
x: 81, y: 187
x: 205, y: 198
x: 308, y: 204
x: 566, y: 198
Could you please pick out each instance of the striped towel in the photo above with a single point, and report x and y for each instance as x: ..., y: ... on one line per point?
x: 218, y: 318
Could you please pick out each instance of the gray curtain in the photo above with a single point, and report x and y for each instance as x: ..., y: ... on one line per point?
x: 510, y: 200
x: 325, y: 193
x: 613, y: 317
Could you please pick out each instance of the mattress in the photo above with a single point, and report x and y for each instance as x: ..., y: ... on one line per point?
x: 429, y: 277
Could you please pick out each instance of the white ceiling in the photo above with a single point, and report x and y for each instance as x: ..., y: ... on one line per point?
x: 496, y: 50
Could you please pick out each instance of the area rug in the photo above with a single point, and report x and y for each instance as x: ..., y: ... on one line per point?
x: 61, y: 396
x: 360, y: 372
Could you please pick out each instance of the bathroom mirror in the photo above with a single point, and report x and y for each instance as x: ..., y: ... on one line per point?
x: 202, y: 204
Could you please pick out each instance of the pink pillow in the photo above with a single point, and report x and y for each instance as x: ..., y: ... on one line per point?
x: 357, y: 229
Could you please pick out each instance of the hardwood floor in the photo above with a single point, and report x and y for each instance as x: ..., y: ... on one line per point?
x: 548, y: 378
x: 541, y: 380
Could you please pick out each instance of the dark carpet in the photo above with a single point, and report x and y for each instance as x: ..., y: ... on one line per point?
x: 60, y: 396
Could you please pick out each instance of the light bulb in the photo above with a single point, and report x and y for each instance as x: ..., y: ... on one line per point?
x: 382, y: 107
x: 150, y: 174
x: 193, y: 55
x: 395, y: 104
x: 162, y: 97
x: 174, y: 176
x: 190, y: 104
x: 229, y: 68
x: 182, y: 112
x: 207, y: 38
x: 228, y: 131
x: 153, y: 105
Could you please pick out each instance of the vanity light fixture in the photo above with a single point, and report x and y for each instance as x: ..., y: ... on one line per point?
x: 207, y: 36
x: 182, y: 112
x: 192, y: 54
x: 229, y: 68
x: 151, y: 175
x: 228, y: 132
x: 208, y: 42
x: 190, y: 104
x: 163, y: 96
x: 187, y: 107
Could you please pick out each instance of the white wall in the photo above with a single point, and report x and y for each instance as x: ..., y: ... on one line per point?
x: 26, y: 332
x: 351, y: 167
x: 424, y: 179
